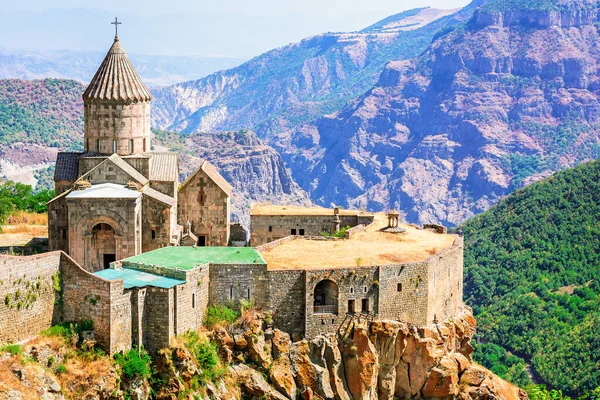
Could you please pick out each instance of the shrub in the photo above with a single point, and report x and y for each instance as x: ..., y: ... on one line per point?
x: 69, y: 330
x: 60, y: 369
x: 13, y: 349
x: 219, y: 314
x: 134, y: 364
x: 206, y: 354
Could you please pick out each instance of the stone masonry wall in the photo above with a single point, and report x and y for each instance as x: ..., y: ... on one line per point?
x: 159, y: 318
x: 446, y: 282
x: 191, y: 300
x: 156, y: 224
x: 359, y: 285
x: 202, y: 202
x: 58, y: 225
x: 27, y: 295
x: 287, y: 296
x: 267, y: 228
x: 230, y: 283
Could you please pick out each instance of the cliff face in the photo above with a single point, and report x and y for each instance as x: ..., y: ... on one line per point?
x: 365, y: 360
x: 285, y: 87
x: 501, y: 101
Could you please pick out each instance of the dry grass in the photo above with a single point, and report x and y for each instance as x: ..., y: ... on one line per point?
x: 371, y: 246
x: 27, y: 218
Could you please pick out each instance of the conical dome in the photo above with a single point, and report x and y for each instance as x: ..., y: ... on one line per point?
x: 116, y: 79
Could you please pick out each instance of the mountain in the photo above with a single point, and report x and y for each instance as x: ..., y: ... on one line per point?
x: 156, y: 70
x: 532, y: 275
x: 285, y: 87
x: 486, y: 109
x: 39, y: 118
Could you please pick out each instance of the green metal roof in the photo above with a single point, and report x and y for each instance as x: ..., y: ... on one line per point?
x: 133, y: 278
x: 186, y: 257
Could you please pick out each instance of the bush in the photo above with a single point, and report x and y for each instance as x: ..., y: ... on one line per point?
x: 13, y: 349
x: 219, y: 314
x: 69, y: 330
x: 206, y: 354
x: 134, y: 364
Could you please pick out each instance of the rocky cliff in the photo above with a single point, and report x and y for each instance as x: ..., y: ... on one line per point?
x: 493, y: 104
x: 285, y: 87
x: 367, y: 360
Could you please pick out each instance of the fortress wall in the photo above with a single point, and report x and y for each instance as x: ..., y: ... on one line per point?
x: 230, y: 283
x: 27, y: 294
x: 281, y: 225
x: 89, y: 297
x: 403, y: 292
x: 359, y: 285
x: 191, y: 299
x: 159, y: 319
x: 446, y: 282
x: 286, y: 300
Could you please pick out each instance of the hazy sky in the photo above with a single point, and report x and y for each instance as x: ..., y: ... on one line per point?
x: 234, y: 28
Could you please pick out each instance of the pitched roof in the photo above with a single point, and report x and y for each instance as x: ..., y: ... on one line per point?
x: 117, y: 79
x: 164, y: 167
x: 156, y: 195
x: 67, y: 166
x: 128, y: 169
x: 104, y: 191
x: 213, y: 174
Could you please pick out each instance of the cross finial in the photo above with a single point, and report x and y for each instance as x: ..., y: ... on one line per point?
x: 116, y: 24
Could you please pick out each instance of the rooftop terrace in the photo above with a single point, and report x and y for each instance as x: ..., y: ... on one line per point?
x: 186, y: 258
x: 371, y: 246
x: 269, y: 209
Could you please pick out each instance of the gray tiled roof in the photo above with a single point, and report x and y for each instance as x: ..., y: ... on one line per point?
x: 213, y: 174
x: 116, y: 79
x: 67, y: 167
x: 164, y: 167
x: 156, y: 195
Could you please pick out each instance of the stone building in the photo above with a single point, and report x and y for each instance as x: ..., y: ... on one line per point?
x: 118, y: 198
x: 204, y: 203
x: 272, y: 222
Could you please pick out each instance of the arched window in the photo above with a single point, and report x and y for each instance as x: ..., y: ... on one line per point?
x: 326, y: 297
x: 114, y: 146
x: 131, y: 145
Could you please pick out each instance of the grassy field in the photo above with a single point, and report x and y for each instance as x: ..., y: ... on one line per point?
x: 23, y: 226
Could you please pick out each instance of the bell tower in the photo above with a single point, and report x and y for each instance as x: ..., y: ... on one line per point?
x: 117, y: 107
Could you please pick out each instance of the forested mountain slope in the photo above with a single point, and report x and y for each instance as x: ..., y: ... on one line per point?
x: 498, y: 102
x: 532, y: 275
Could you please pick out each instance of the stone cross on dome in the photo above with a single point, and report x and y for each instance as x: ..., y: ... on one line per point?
x: 116, y: 23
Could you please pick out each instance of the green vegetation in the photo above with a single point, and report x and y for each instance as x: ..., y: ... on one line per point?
x: 340, y: 234
x: 532, y: 275
x: 69, y: 330
x: 502, y: 363
x: 134, y: 364
x: 207, y: 358
x: 218, y: 314
x: 16, y: 196
x: 13, y: 349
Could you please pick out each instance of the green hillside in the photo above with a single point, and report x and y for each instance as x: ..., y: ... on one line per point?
x: 47, y: 112
x: 532, y: 275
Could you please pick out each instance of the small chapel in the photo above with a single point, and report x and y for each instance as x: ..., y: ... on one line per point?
x: 118, y: 198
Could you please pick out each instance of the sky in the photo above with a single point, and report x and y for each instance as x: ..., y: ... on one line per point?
x: 224, y: 28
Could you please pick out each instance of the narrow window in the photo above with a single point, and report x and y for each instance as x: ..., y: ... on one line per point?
x: 131, y: 145
x: 114, y: 146
x: 153, y: 234
x: 365, y: 305
x: 293, y: 231
x: 193, y: 300
x: 270, y: 228
x: 230, y: 292
x: 301, y: 232
x: 201, y: 198
x: 399, y: 288
x: 98, y: 145
x: 145, y: 145
x: 365, y: 289
x: 248, y: 294
x: 64, y: 234
x: 351, y: 290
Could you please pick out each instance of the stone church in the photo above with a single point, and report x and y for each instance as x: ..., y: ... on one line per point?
x: 118, y: 198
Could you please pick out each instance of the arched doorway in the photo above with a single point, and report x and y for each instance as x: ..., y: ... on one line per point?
x: 326, y: 297
x: 104, y: 249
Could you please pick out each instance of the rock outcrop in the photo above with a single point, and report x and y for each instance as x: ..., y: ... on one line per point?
x: 367, y: 360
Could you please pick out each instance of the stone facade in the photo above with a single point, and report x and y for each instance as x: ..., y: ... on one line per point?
x: 204, y: 201
x: 266, y: 228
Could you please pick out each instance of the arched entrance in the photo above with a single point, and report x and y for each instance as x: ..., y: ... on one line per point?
x: 202, y: 232
x: 326, y: 297
x: 104, y: 248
